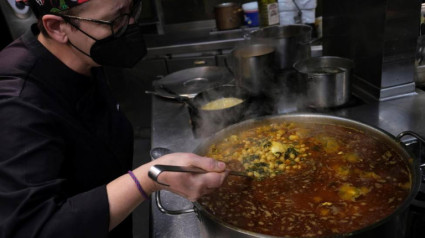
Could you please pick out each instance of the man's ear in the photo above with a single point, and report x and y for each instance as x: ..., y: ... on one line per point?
x: 54, y: 27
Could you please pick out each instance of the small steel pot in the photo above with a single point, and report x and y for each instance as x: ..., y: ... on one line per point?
x: 324, y: 81
x: 207, y: 122
x: 228, y: 16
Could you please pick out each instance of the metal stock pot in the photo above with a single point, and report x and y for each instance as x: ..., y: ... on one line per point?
x: 253, y: 67
x: 211, y: 226
x: 292, y: 42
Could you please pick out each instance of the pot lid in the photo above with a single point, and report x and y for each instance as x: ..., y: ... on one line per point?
x: 190, y: 82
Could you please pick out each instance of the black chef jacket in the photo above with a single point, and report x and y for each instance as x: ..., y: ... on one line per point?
x: 62, y: 139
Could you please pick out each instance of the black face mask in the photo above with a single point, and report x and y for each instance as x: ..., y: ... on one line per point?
x: 124, y: 51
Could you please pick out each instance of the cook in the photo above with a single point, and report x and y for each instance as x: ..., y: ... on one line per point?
x: 65, y: 147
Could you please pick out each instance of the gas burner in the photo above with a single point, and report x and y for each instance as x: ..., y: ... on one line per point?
x: 418, y: 204
x: 352, y: 102
x: 419, y: 201
x: 416, y: 214
x: 291, y: 95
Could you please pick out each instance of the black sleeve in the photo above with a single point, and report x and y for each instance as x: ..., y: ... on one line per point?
x: 33, y: 201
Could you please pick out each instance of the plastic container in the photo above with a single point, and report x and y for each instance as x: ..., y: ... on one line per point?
x: 251, y: 14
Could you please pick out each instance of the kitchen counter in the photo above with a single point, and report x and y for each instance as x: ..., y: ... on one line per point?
x: 171, y: 129
x: 193, y: 42
x: 201, y: 41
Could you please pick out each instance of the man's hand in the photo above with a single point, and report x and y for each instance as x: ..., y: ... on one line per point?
x: 190, y: 185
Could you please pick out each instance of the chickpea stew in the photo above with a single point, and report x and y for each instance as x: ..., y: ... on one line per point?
x: 312, y: 180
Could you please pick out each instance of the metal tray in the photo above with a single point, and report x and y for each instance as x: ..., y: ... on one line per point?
x: 189, y: 82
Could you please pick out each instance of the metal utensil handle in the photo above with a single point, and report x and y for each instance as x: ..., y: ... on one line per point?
x: 157, y: 169
x: 411, y: 133
x: 161, y: 95
x: 178, y: 97
x: 239, y: 173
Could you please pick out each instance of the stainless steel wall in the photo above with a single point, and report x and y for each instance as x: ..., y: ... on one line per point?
x: 380, y: 36
x: 17, y: 19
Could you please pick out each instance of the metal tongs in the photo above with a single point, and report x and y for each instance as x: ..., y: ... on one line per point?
x: 156, y: 170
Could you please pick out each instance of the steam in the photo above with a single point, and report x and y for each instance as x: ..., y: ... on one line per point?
x: 272, y: 90
x: 208, y: 122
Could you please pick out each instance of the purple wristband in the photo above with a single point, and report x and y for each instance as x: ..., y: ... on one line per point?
x: 138, y: 185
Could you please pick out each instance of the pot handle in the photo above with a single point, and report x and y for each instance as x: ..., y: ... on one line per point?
x: 411, y: 133
x: 179, y: 98
x: 229, y: 65
x: 238, y: 10
x: 155, y: 153
x: 162, y: 209
x: 310, y: 42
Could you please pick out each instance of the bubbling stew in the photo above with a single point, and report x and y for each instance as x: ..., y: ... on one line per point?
x: 311, y: 180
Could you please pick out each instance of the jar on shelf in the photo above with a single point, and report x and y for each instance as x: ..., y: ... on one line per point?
x: 269, y: 12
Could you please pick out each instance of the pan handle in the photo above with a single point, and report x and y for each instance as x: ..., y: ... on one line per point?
x: 410, y: 133
x: 227, y: 65
x: 310, y: 42
x: 164, y: 210
x: 156, y: 153
x: 161, y: 95
x: 179, y: 98
x: 413, y: 134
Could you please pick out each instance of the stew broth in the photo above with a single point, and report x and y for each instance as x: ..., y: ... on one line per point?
x: 311, y: 180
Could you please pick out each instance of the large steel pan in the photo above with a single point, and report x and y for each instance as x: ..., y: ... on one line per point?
x: 211, y: 226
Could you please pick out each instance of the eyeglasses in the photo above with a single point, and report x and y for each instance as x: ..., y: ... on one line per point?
x: 118, y: 25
